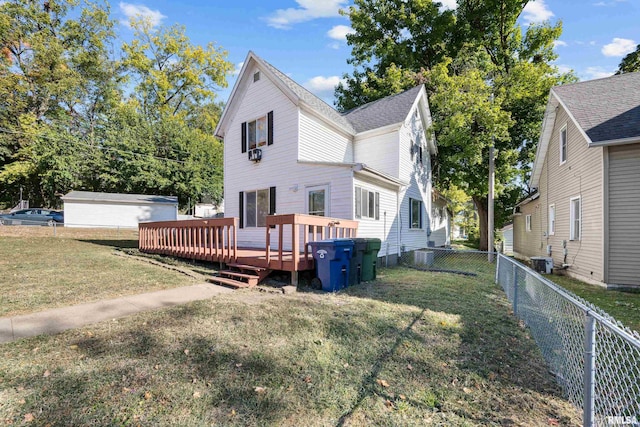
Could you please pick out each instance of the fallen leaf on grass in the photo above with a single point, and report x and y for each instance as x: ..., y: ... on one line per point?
x: 388, y: 403
x: 307, y: 379
x: 232, y: 413
x: 29, y: 417
x: 467, y: 390
x: 238, y: 365
x: 196, y: 395
x: 186, y: 351
x: 409, y: 367
x: 402, y: 397
x: 46, y: 373
x: 383, y: 383
x: 147, y: 395
x: 260, y: 390
x: 553, y: 422
x: 73, y: 347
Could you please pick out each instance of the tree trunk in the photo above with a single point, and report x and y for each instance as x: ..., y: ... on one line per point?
x: 483, y: 216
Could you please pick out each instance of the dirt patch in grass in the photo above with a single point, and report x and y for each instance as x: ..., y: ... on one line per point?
x: 42, y: 271
x: 412, y: 348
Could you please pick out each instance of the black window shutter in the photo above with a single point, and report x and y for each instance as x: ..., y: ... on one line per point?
x: 270, y: 128
x: 377, y: 205
x: 244, y: 138
x: 272, y: 200
x: 241, y: 216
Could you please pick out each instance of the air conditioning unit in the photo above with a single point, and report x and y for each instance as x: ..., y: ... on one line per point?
x: 423, y: 258
x: 255, y: 155
x: 542, y: 264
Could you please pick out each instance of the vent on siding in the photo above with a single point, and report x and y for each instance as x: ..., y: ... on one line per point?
x: 256, y: 76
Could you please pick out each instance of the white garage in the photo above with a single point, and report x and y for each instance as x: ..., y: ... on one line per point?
x: 115, y: 210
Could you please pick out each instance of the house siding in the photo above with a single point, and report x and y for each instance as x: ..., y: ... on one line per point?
x: 624, y: 215
x: 379, y: 151
x: 580, y: 176
x: 319, y: 142
x: 419, y: 178
x: 386, y: 227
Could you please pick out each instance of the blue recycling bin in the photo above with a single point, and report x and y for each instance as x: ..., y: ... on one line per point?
x: 333, y: 262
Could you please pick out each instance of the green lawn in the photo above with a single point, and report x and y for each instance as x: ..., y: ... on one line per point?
x: 413, y: 348
x: 624, y: 306
x: 41, y: 271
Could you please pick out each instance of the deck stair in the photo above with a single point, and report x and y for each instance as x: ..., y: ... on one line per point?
x: 241, y: 276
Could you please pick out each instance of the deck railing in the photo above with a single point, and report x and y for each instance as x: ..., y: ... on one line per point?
x: 216, y: 239
x: 302, y: 229
x: 203, y: 239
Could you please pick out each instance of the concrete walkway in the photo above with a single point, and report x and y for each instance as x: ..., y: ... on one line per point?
x: 61, y: 319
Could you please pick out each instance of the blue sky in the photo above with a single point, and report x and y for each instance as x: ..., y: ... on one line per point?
x: 306, y: 38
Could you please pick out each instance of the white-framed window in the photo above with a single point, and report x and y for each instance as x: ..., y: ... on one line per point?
x: 318, y: 200
x: 415, y: 213
x: 257, y: 133
x: 552, y: 220
x: 575, y: 216
x: 367, y: 203
x: 256, y: 208
x: 527, y: 222
x: 563, y: 144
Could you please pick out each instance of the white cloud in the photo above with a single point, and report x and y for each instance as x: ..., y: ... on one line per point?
x: 135, y: 11
x: 559, y: 43
x: 308, y: 10
x: 236, y: 71
x: 448, y: 4
x: 619, y: 47
x: 339, y: 32
x: 564, y: 68
x: 536, y: 11
x: 323, y: 86
x: 596, y: 73
x: 609, y: 3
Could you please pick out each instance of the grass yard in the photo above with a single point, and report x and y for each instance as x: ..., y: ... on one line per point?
x: 41, y: 271
x: 413, y: 348
x: 624, y: 306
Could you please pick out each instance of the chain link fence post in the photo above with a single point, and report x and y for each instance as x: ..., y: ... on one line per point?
x: 515, y: 289
x: 589, y: 369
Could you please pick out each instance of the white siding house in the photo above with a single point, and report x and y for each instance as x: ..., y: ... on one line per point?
x: 286, y: 151
x: 114, y: 210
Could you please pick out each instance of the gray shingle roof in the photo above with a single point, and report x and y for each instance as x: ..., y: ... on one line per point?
x: 308, y: 98
x: 606, y: 109
x: 386, y: 111
x: 90, y: 196
x: 383, y: 112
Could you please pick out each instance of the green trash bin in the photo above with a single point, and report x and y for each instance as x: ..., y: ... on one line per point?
x: 355, y: 273
x: 370, y: 258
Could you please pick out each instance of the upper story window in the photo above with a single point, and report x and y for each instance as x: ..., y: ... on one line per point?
x: 563, y: 144
x: 258, y: 132
x: 527, y: 223
x: 367, y: 203
x: 256, y: 76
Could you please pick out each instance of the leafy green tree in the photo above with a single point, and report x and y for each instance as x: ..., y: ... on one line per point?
x: 53, y: 62
x: 630, y: 63
x: 488, y: 82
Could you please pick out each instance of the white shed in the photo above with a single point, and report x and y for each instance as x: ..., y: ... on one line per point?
x: 113, y: 210
x: 507, y: 239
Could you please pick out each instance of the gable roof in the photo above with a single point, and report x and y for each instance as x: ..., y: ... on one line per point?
x: 90, y: 196
x: 383, y: 112
x: 605, y: 111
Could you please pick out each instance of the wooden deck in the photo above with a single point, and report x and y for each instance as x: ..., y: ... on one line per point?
x: 286, y: 248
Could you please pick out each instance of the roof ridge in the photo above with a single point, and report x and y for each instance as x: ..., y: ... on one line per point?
x: 387, y: 98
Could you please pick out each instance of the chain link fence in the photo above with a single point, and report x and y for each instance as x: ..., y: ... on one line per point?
x: 466, y: 262
x: 595, y: 359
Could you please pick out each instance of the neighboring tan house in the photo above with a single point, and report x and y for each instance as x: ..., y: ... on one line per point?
x: 286, y: 151
x: 586, y: 211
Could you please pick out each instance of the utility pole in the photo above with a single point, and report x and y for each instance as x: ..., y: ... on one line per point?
x: 492, y: 179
